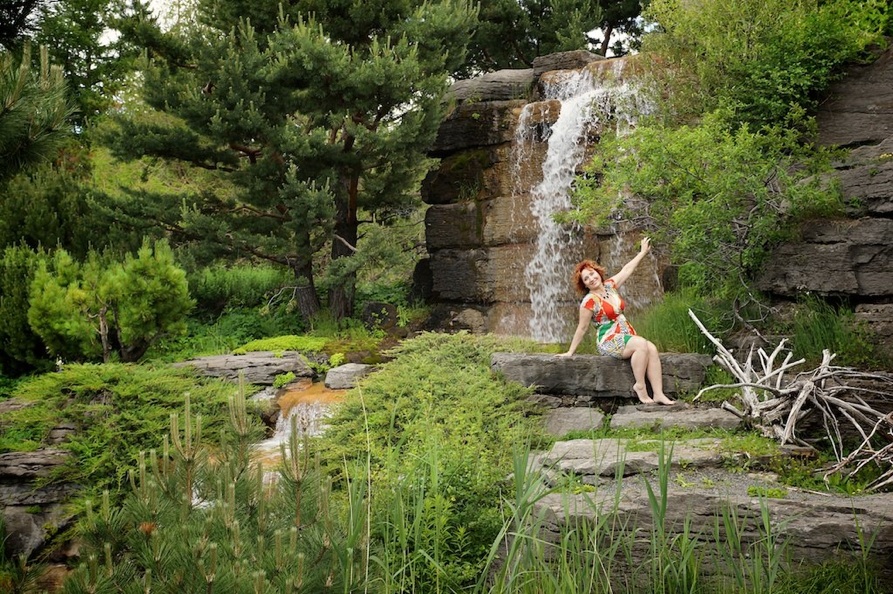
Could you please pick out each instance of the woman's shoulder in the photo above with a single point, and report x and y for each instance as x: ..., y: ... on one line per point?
x: 589, y: 302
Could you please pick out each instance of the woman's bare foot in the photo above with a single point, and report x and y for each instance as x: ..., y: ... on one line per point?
x: 662, y: 399
x: 641, y: 393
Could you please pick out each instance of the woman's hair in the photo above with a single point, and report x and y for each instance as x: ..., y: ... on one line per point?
x: 578, y: 271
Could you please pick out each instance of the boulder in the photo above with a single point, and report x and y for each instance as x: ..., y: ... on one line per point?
x: 345, y: 377
x: 834, y: 257
x: 502, y: 85
x: 561, y: 421
x: 474, y: 125
x: 815, y: 527
x: 858, y: 109
x: 679, y: 415
x: 571, y: 60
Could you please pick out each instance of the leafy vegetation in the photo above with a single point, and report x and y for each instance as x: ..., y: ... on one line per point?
x: 116, y: 410
x: 717, y: 195
x: 106, y: 307
x: 759, y: 62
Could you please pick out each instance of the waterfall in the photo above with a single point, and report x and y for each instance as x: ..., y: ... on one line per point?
x: 586, y: 107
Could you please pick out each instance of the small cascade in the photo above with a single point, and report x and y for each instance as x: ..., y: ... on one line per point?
x: 586, y: 107
x: 304, y: 409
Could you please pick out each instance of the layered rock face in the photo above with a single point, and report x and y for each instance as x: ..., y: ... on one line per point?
x: 851, y: 258
x: 492, y: 266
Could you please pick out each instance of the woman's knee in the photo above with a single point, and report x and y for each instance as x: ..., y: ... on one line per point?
x: 652, y: 350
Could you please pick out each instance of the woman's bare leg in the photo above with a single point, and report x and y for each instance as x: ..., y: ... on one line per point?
x: 654, y: 373
x: 637, y: 352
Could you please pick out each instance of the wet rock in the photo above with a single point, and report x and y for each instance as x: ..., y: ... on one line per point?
x: 345, y: 377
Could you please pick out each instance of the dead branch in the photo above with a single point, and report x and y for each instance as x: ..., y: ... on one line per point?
x: 773, y: 400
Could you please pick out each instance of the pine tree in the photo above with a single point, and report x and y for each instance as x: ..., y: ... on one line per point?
x: 34, y: 111
x: 203, y: 518
x: 313, y: 110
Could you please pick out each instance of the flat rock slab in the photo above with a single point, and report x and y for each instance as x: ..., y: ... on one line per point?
x: 595, y: 461
x: 594, y: 376
x: 814, y: 527
x: 345, y: 377
x: 259, y: 368
x: 561, y: 421
x: 679, y: 415
x: 701, y: 488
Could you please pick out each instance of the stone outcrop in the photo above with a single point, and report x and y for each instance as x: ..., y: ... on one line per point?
x: 345, y: 377
x: 32, y: 511
x: 258, y: 368
x: 851, y: 258
x: 481, y: 231
x: 815, y: 527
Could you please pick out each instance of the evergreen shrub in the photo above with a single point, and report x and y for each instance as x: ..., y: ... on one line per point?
x: 218, y: 288
x: 435, y: 428
x: 116, y: 410
x: 21, y: 349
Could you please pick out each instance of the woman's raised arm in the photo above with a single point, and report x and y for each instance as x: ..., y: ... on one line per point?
x: 630, y: 266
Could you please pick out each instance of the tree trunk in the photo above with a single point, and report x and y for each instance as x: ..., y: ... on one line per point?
x: 606, y: 39
x: 305, y: 290
x: 344, y: 242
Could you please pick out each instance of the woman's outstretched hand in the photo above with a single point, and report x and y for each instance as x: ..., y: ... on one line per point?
x: 646, y: 245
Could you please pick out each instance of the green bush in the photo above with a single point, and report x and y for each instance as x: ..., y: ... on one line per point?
x: 219, y: 288
x: 21, y: 349
x: 84, y: 312
x: 720, y: 198
x: 816, y: 325
x: 756, y: 59
x: 668, y: 325
x: 203, y: 519
x: 279, y: 344
x: 116, y: 410
x: 435, y: 428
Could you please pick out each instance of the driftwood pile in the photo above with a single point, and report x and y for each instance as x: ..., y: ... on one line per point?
x: 773, y: 399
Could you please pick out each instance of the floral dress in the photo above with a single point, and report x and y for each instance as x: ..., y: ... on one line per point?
x: 612, y: 328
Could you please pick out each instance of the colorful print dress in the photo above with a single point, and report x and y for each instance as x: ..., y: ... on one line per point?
x: 612, y: 328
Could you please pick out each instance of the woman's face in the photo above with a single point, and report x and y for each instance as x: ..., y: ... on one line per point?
x: 591, y: 279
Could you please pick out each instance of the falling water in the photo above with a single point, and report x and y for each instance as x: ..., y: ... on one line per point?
x: 587, y: 107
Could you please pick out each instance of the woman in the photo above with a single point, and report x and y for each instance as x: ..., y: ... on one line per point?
x: 603, y: 307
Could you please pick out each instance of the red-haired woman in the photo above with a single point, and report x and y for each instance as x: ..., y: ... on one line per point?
x: 603, y: 307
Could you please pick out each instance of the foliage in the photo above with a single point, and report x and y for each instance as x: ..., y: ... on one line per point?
x: 200, y: 519
x: 511, y: 34
x: 434, y: 427
x: 815, y: 324
x: 669, y: 327
x: 50, y: 205
x: 95, y: 63
x: 278, y: 344
x: 18, y: 20
x: 757, y: 60
x: 718, y: 198
x: 21, y: 350
x: 311, y: 110
x: 219, y: 287
x: 116, y: 410
x: 230, y: 330
x: 83, y: 311
x: 386, y: 257
x: 35, y: 114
